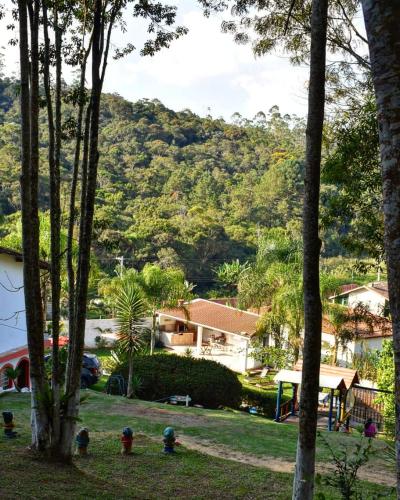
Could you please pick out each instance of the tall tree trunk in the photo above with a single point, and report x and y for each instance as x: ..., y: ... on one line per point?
x: 29, y: 99
x: 382, y: 26
x: 85, y: 237
x: 303, y: 487
x: 153, y: 333
x: 54, y: 128
x: 129, y: 391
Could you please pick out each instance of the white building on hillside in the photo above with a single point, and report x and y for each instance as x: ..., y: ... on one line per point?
x: 13, y: 337
x: 211, y: 330
x: 374, y: 295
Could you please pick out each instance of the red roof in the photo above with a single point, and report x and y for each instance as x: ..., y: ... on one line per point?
x: 375, y: 326
x: 215, y: 316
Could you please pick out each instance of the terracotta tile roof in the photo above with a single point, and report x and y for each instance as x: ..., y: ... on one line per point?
x: 226, y: 301
x: 347, y: 287
x: 377, y: 326
x: 349, y: 376
x: 19, y: 256
x: 380, y: 287
x: 215, y: 316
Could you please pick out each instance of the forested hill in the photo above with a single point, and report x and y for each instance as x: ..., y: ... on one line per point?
x: 174, y: 187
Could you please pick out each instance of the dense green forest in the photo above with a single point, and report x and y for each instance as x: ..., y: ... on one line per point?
x: 177, y: 189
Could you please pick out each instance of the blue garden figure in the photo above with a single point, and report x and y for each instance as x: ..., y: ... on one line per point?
x: 169, y: 440
x: 82, y: 441
x: 126, y: 440
x: 9, y: 425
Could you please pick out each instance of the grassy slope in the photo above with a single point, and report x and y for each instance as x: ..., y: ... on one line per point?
x: 148, y: 473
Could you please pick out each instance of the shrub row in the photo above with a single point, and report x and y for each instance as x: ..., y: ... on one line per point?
x: 264, y: 401
x: 208, y: 383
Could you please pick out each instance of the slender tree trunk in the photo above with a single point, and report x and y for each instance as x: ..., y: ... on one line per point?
x: 85, y: 237
x: 29, y: 99
x: 303, y: 487
x: 382, y: 26
x: 129, y: 391
x: 54, y: 128
x: 153, y: 333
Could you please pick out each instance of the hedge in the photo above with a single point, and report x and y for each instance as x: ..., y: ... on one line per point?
x: 208, y: 383
x: 264, y: 401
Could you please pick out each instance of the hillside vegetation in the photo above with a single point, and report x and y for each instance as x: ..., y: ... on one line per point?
x: 173, y: 187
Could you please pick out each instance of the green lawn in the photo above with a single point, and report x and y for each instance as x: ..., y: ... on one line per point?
x: 150, y: 474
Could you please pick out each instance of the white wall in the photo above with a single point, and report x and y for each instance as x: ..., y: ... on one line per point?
x: 373, y: 300
x: 91, y: 332
x: 12, y: 300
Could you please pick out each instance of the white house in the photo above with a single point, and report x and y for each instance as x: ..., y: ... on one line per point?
x: 212, y: 330
x: 367, y: 337
x: 374, y: 295
x: 13, y: 337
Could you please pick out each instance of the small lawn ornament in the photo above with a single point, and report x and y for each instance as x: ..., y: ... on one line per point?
x: 253, y: 410
x: 126, y: 440
x: 82, y: 441
x: 169, y: 440
x: 9, y: 425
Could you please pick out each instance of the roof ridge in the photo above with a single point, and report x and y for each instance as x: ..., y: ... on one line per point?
x: 228, y: 307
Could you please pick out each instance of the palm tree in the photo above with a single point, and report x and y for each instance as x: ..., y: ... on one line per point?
x: 339, y: 317
x: 130, y: 312
x: 162, y: 288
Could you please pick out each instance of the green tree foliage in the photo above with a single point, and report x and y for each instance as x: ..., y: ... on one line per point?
x: 386, y: 381
x: 174, y: 188
x: 130, y: 312
x: 207, y: 383
x: 352, y: 197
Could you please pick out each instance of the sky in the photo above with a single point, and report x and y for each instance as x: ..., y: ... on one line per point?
x: 204, y: 71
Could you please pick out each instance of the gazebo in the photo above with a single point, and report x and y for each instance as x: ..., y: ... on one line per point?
x: 338, y: 380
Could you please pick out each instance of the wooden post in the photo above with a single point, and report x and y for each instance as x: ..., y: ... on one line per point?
x: 330, y: 410
x: 199, y: 339
x: 294, y: 399
x: 278, y: 403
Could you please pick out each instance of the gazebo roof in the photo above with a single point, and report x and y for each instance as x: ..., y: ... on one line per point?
x: 349, y: 376
x: 331, y: 377
x: 294, y: 377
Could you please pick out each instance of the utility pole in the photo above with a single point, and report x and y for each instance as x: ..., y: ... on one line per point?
x: 121, y: 262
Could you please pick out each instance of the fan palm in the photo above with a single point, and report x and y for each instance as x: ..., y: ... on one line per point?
x: 130, y: 312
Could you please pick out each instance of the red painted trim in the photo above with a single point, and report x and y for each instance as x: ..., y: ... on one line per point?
x: 26, y: 371
x: 13, y: 355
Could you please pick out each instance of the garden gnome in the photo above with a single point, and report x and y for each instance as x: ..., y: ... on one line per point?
x: 126, y: 440
x: 9, y: 425
x: 82, y: 441
x: 169, y: 440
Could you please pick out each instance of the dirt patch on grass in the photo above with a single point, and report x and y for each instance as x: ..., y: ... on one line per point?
x: 161, y: 415
x: 370, y: 473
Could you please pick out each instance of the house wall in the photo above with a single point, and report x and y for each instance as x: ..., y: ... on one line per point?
x: 104, y: 328
x: 233, y: 355
x: 12, y: 300
x: 373, y: 344
x: 344, y: 355
x: 373, y: 300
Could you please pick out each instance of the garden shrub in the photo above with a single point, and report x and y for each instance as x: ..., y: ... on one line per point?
x: 264, y: 401
x: 208, y: 383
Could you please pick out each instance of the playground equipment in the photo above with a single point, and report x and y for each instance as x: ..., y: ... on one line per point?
x: 338, y: 380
